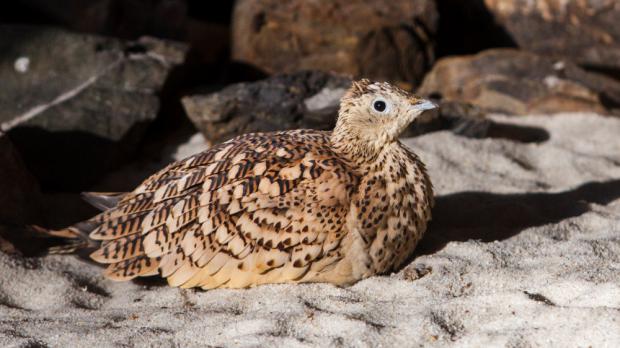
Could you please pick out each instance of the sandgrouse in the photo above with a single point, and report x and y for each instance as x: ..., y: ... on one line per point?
x: 282, y: 207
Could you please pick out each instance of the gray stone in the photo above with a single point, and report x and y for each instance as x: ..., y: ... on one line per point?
x: 73, y: 104
x: 306, y: 99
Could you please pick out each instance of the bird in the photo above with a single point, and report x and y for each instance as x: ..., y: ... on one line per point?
x: 288, y: 206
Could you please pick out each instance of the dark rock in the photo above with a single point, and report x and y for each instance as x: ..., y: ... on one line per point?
x: 124, y: 18
x: 308, y: 99
x: 20, y: 198
x: 75, y: 104
x: 380, y: 40
x: 204, y: 25
x: 461, y: 118
x: 518, y: 82
x: 7, y: 247
x: 587, y: 31
x: 23, y: 204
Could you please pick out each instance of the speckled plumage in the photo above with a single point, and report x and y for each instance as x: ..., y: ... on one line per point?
x: 289, y: 206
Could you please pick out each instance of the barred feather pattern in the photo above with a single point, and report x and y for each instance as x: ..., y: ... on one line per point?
x: 260, y: 208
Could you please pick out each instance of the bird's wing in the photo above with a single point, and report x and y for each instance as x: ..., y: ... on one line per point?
x: 257, y: 209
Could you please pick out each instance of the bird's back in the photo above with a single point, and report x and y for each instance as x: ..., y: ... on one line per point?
x: 260, y: 208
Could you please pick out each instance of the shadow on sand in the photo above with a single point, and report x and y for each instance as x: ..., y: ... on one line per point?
x: 489, y: 216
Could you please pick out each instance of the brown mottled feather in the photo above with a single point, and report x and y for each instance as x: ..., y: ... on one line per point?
x: 243, y: 203
x: 140, y: 266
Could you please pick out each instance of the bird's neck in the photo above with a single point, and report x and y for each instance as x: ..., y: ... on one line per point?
x: 358, y: 141
x: 363, y: 155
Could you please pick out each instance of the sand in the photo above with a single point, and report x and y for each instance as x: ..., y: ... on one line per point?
x: 524, y: 251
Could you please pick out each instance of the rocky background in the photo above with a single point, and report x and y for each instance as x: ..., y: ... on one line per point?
x: 524, y: 249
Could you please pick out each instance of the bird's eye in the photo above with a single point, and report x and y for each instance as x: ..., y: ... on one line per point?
x: 380, y: 105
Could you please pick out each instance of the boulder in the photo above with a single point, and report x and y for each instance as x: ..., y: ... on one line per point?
x: 518, y: 82
x: 587, y: 31
x: 76, y: 115
x: 307, y: 99
x: 381, y: 40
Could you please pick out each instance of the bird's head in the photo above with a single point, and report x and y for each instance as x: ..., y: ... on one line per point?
x: 374, y: 114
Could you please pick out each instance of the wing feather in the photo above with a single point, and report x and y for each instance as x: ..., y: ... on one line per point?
x: 264, y: 207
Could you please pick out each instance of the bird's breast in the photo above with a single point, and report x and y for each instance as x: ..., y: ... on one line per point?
x: 389, y: 214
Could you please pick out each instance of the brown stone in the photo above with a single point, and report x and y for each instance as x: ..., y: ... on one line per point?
x: 519, y: 82
x: 380, y: 40
x: 586, y: 31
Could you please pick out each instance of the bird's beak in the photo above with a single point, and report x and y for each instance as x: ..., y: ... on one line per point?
x: 425, y: 105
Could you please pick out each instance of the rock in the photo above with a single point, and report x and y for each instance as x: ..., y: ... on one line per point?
x: 380, y: 40
x: 205, y: 26
x: 74, y: 116
x: 306, y: 99
x: 523, y: 251
x: 461, y: 118
x: 20, y: 198
x: 128, y: 18
x: 584, y: 31
x: 21, y: 203
x: 518, y: 82
x: 8, y: 247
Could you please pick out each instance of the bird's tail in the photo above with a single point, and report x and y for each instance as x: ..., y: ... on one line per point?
x: 69, y: 240
x: 73, y: 239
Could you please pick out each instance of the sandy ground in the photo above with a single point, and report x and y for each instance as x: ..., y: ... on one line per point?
x: 524, y: 251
